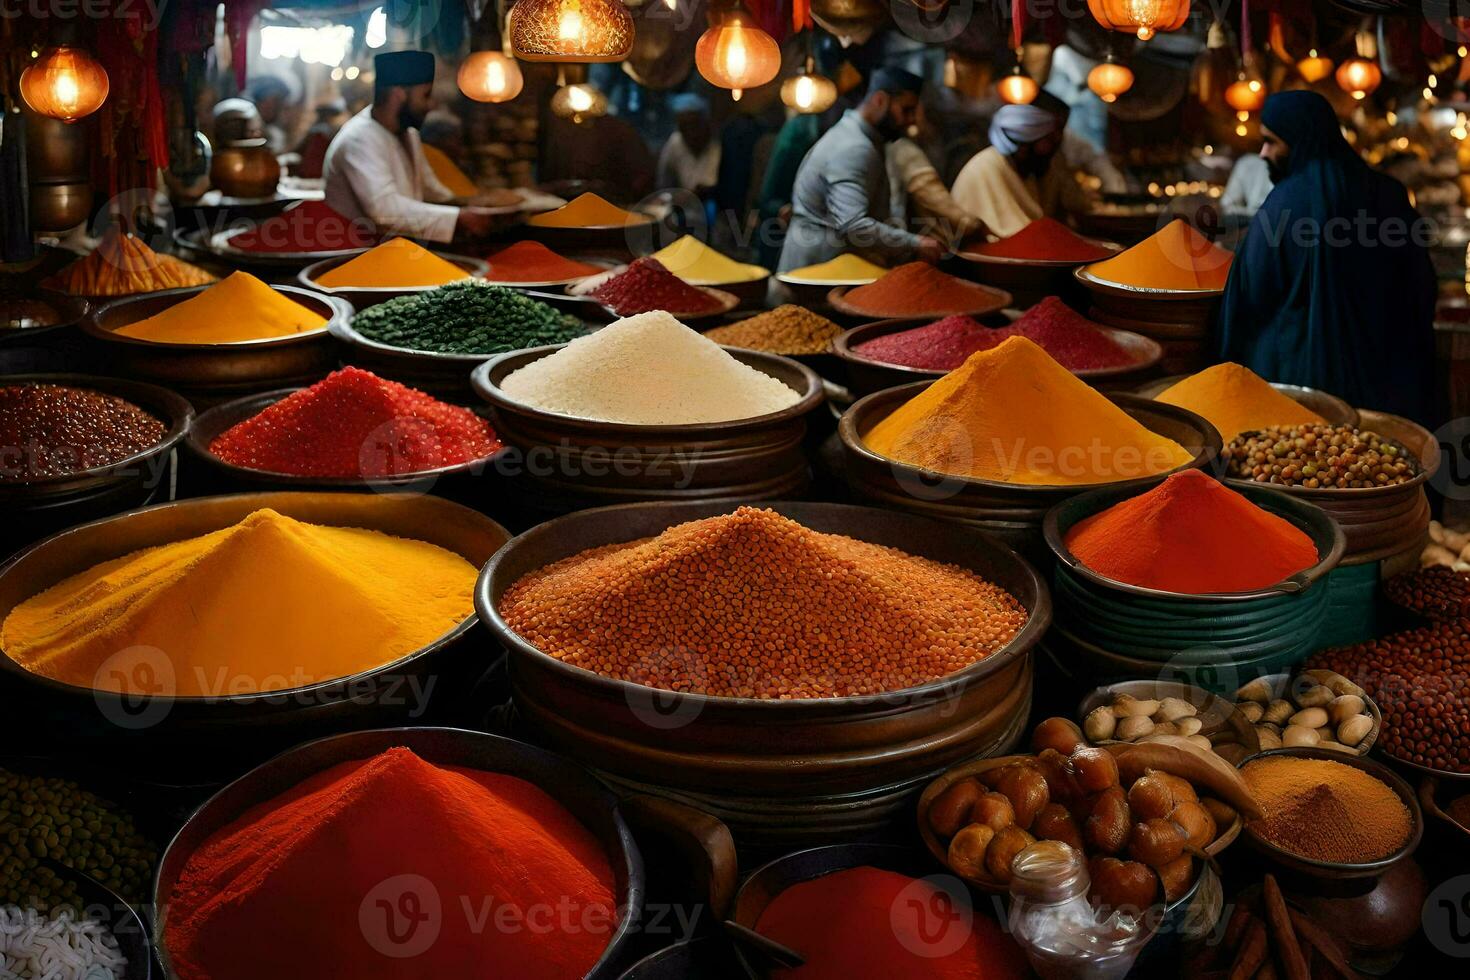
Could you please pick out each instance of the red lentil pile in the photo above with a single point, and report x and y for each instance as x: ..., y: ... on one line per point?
x: 1438, y: 594
x: 917, y: 289
x: 754, y: 605
x: 1421, y: 681
x: 646, y: 285
x: 355, y: 424
x: 52, y: 430
x: 1072, y: 340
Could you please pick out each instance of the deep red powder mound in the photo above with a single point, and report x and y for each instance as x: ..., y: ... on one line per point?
x: 646, y: 285
x: 916, y: 289
x: 310, y: 226
x: 1073, y: 341
x: 1046, y: 239
x: 866, y: 922
x: 355, y: 424
x: 533, y: 262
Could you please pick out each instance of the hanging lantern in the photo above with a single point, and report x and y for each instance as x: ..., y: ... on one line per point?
x: 64, y: 83
x: 1141, y: 17
x: 579, y: 102
x: 570, y: 30
x: 1246, y: 95
x: 1358, y: 77
x: 1110, y: 80
x: 490, y: 76
x: 1018, y: 87
x: 1313, y: 68
x: 735, y: 53
x: 809, y: 92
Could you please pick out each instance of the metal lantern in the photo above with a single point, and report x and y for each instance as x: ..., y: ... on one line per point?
x: 1141, y: 17
x: 580, y: 101
x: 490, y: 76
x: 1110, y: 80
x: 735, y: 53
x: 1358, y: 76
x: 570, y: 30
x: 1314, y: 67
x: 809, y: 92
x: 64, y: 83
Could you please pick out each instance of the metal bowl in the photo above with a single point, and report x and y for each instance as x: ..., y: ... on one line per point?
x: 224, y: 477
x: 1330, y: 407
x: 755, y: 458
x: 361, y: 297
x: 868, y: 375
x: 780, y: 772
x: 70, y: 311
x: 1222, y: 722
x: 1330, y: 870
x: 998, y: 300
x: 1281, y: 683
x: 212, y: 373
x: 572, y: 786
x: 241, y: 723
x: 608, y: 240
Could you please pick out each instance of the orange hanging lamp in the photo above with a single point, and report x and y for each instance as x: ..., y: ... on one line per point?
x: 1360, y: 75
x: 570, y: 30
x: 1017, y: 87
x: 735, y: 53
x: 1141, y: 17
x: 1110, y: 79
x: 1314, y: 67
x: 65, y: 83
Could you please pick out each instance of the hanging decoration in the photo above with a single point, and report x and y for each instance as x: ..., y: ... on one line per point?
x: 576, y: 98
x: 575, y: 31
x: 1314, y: 67
x: 1109, y: 79
x: 734, y: 53
x: 492, y: 75
x: 808, y: 92
x: 1141, y: 17
x: 1360, y: 75
x: 1017, y: 87
x: 65, y: 83
x: 1247, y: 94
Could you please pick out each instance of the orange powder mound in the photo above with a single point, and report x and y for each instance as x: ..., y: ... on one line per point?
x: 1175, y: 258
x: 448, y: 172
x: 1234, y: 399
x: 1012, y: 414
x: 237, y: 308
x: 397, y: 263
x: 327, y: 880
x: 586, y: 211
x: 915, y: 289
x: 1191, y: 535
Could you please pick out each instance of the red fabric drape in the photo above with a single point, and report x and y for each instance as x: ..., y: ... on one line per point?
x: 132, y: 143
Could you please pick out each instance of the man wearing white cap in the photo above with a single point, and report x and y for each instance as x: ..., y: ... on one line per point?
x: 1000, y: 184
x: 375, y: 167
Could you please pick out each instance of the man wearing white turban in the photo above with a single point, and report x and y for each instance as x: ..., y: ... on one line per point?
x: 1000, y: 184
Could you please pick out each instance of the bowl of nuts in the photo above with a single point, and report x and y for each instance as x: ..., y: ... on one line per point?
x: 1143, y: 710
x: 1312, y: 709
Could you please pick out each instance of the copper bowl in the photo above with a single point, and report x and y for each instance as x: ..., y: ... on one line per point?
x: 247, y: 169
x: 208, y: 374
x: 57, y: 207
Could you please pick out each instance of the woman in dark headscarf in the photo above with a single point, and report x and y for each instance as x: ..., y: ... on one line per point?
x: 1332, y: 287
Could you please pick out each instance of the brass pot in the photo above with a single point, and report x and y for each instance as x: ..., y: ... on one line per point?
x: 245, y: 170
x: 237, y: 121
x: 57, y: 207
x: 56, y: 152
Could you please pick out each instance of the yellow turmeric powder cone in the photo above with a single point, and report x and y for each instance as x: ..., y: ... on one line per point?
x: 1013, y: 415
x: 396, y: 264
x: 236, y: 309
x: 268, y: 604
x: 1235, y: 399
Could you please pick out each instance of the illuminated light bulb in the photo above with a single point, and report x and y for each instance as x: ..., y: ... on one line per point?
x: 490, y: 76
x: 569, y: 25
x: 570, y: 30
x: 808, y: 92
x: 1240, y: 129
x: 1245, y: 95
x: 65, y: 83
x: 1017, y: 87
x: 1358, y: 77
x: 734, y: 53
x: 1110, y: 80
x: 578, y: 102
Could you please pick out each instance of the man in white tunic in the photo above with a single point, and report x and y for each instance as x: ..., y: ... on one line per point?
x: 375, y: 167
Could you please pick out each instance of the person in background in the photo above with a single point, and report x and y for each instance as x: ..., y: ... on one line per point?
x: 375, y: 167
x: 691, y: 158
x: 840, y: 198
x: 604, y: 154
x: 1332, y: 287
x: 1247, y: 187
x: 443, y: 139
x: 1001, y: 185
x: 270, y: 95
x: 313, y: 147
x: 919, y: 197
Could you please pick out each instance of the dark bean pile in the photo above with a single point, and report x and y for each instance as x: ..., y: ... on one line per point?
x: 52, y: 430
x: 468, y: 317
x: 1312, y: 456
x: 1421, y: 681
x: 1437, y: 593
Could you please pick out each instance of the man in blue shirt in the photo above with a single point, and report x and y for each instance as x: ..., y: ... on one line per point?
x: 840, y: 199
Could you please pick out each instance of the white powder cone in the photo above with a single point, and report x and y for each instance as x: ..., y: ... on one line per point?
x: 648, y: 369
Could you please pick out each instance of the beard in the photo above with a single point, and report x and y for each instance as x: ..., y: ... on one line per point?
x: 1276, y: 170
x: 408, y: 119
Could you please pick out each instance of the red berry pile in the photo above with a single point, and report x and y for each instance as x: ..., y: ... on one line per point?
x: 356, y: 424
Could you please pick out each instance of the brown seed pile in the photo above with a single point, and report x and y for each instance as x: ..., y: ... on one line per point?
x: 785, y: 330
x: 1421, y: 681
x: 1313, y: 456
x: 52, y: 430
x: 754, y: 605
x: 1326, y: 811
x: 1439, y: 594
